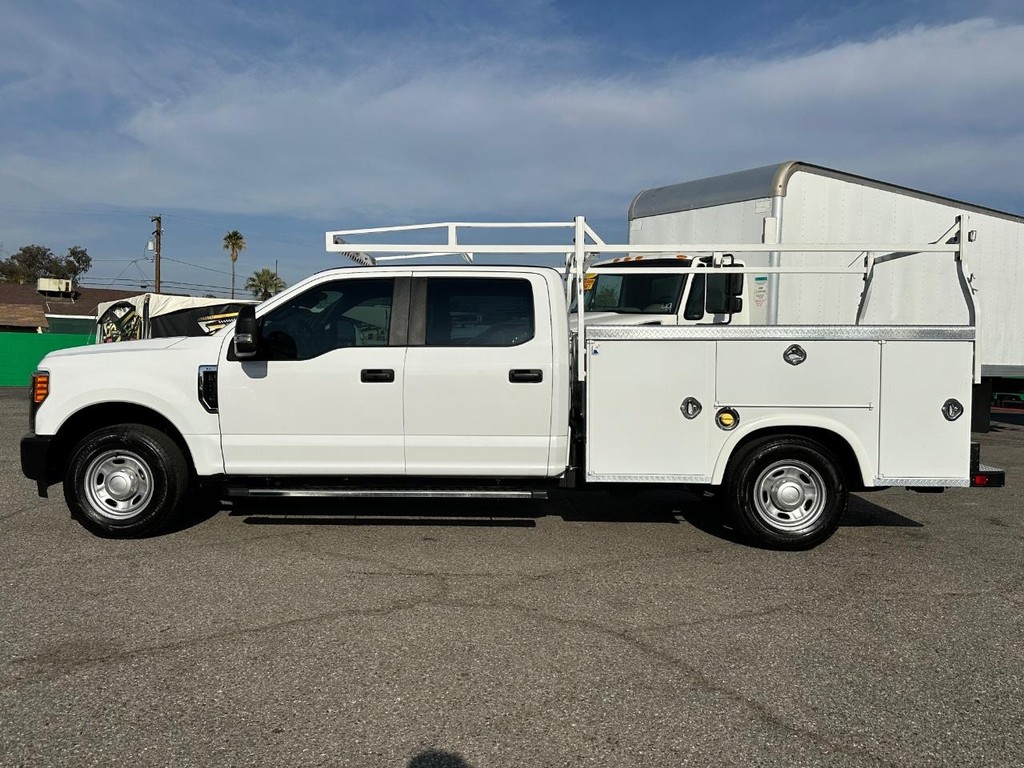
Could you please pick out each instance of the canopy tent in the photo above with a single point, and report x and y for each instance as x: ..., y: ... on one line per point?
x: 155, y: 315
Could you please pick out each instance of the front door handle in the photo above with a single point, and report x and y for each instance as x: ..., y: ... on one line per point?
x: 526, y: 376
x: 370, y: 375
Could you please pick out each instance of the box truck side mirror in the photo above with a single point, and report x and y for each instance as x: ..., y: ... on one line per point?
x: 724, y: 292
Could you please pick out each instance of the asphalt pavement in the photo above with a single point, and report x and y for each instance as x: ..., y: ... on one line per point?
x: 608, y: 630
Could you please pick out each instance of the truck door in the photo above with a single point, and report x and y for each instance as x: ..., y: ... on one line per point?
x: 324, y: 393
x: 478, y: 376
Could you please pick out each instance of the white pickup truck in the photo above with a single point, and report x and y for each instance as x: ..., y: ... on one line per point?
x: 476, y: 381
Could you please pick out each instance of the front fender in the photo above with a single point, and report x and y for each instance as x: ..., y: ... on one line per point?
x: 163, y: 381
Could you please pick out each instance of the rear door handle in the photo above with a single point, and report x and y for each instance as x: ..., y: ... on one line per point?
x: 526, y: 376
x: 370, y: 375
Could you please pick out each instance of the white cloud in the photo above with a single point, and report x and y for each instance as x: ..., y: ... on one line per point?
x: 427, y: 132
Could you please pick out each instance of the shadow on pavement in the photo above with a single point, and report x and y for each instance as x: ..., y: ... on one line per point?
x: 435, y: 758
x: 866, y: 513
x: 197, y: 510
x: 1006, y: 418
x: 670, y: 507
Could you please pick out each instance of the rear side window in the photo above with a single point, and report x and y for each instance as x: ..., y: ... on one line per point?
x: 478, y: 312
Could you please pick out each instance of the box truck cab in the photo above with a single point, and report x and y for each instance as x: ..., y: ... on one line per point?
x: 678, y: 290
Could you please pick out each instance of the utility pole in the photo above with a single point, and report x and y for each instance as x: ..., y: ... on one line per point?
x: 156, y: 253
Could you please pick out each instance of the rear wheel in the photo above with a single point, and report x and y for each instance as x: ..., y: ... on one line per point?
x: 125, y: 481
x: 786, y: 493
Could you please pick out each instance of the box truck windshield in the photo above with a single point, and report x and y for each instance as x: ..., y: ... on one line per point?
x: 634, y: 294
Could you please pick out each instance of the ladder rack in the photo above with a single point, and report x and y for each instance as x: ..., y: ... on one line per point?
x: 586, y: 245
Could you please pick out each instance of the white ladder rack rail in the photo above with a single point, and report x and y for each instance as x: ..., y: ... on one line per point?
x: 587, y: 244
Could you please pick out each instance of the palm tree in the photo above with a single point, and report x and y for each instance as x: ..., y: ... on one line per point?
x: 264, y: 283
x: 234, y: 241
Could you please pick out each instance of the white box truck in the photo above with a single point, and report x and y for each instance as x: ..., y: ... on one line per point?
x: 796, y: 202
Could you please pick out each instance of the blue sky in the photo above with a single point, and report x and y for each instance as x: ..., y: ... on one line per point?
x: 286, y: 121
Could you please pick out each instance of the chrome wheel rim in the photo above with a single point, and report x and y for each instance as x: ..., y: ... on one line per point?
x: 790, y: 496
x: 118, y: 484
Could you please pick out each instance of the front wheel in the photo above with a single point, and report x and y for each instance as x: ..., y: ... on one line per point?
x: 786, y: 493
x: 125, y: 481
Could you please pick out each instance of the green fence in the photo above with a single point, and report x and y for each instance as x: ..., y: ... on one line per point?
x: 20, y: 353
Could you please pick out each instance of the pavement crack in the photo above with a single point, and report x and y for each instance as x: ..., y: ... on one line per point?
x: 57, y: 663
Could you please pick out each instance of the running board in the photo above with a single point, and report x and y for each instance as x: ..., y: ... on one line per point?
x: 384, y: 493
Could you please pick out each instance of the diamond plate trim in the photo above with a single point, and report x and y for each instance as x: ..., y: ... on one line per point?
x: 926, y: 482
x: 601, y: 478
x: 782, y: 332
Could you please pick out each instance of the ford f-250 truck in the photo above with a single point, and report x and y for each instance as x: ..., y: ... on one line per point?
x: 422, y: 381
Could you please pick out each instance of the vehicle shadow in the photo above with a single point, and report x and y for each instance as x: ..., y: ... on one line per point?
x: 710, y: 518
x: 862, y: 512
x: 1005, y: 419
x: 599, y: 506
x: 199, y: 508
x: 435, y: 758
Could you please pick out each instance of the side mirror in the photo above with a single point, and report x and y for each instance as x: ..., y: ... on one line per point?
x: 246, y: 333
x: 734, y: 284
x: 724, y: 293
x: 733, y: 304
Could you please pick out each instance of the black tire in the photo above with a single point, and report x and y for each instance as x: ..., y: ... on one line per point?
x: 785, y: 493
x: 125, y: 481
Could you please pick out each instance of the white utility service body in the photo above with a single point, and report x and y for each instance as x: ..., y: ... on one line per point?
x: 796, y: 202
x: 415, y: 381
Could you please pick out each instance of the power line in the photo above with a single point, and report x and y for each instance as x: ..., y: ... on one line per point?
x: 128, y: 281
x: 122, y: 271
x: 197, y: 266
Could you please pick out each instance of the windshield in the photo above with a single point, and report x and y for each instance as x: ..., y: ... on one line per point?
x: 640, y: 294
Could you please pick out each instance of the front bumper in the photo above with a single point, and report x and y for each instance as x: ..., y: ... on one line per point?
x: 35, y: 452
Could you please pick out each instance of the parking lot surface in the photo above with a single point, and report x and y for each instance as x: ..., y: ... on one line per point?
x: 606, y: 630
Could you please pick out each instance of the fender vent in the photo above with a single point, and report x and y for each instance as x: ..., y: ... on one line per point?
x: 208, y: 387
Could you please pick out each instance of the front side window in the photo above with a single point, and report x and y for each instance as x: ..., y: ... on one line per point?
x: 335, y: 315
x: 478, y: 312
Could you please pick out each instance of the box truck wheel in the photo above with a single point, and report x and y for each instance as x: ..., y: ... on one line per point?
x: 785, y: 492
x: 125, y: 481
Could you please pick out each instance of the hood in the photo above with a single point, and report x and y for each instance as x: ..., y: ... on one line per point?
x: 622, y: 318
x: 123, y: 347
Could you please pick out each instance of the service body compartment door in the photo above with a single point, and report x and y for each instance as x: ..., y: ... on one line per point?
x: 650, y: 405
x: 921, y: 437
x: 798, y: 374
